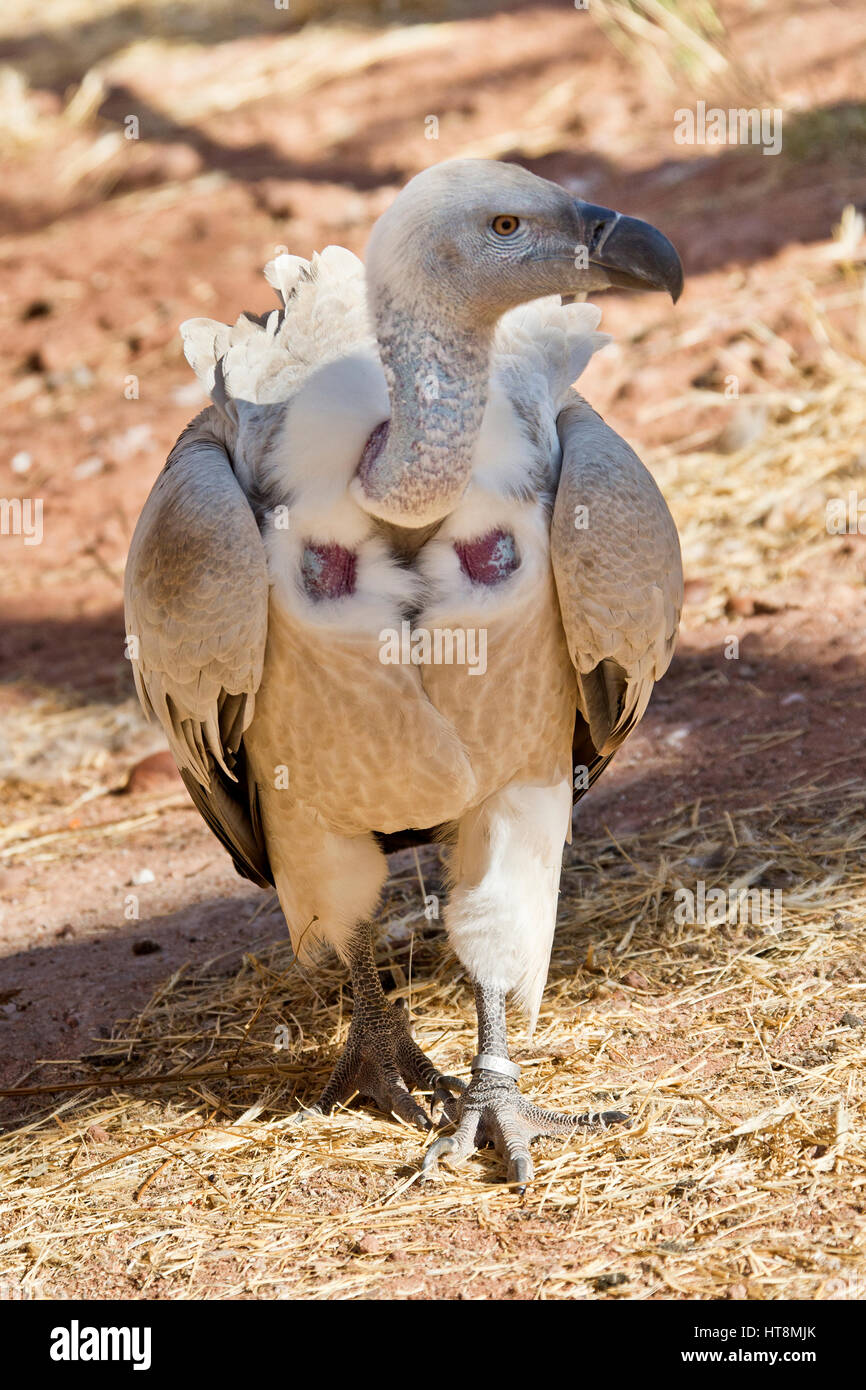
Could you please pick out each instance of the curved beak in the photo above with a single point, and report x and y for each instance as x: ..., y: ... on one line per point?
x: 632, y: 254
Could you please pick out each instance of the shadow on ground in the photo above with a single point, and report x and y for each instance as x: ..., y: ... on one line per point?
x: 703, y: 738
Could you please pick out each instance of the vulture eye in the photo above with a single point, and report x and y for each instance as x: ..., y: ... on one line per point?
x: 505, y: 224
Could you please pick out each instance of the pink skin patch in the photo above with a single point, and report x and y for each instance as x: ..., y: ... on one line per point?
x: 372, y: 449
x: 490, y: 559
x: 328, y: 571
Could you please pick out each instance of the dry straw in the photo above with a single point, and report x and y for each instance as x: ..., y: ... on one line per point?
x: 736, y: 1049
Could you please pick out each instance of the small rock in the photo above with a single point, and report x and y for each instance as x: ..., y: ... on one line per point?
x: 696, y: 590
x: 126, y: 445
x: 36, y: 309
x: 849, y: 1020
x: 678, y: 736
x: 635, y: 980
x: 143, y: 876
x: 21, y: 462
x: 98, y: 1134
x: 609, y: 1281
x: 739, y: 605
x: 749, y: 606
x: 369, y: 1244
x: 145, y: 947
x: 81, y: 375
x: 277, y: 197
x: 747, y: 423
x: 89, y: 467
x: 156, y: 773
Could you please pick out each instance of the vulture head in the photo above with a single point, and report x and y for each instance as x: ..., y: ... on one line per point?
x: 462, y: 244
x: 476, y: 237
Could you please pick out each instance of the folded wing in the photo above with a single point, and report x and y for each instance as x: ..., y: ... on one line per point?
x: 616, y: 560
x: 196, y: 597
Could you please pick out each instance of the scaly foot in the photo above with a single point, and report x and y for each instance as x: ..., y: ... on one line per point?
x: 382, y: 1062
x: 381, y: 1059
x: 493, y: 1111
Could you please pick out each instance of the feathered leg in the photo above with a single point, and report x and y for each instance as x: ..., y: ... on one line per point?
x: 381, y: 1060
x: 493, y: 1111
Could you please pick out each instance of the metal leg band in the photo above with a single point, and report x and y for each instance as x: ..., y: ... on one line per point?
x: 485, y: 1061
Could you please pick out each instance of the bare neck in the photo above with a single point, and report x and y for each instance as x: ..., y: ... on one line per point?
x: 436, y: 371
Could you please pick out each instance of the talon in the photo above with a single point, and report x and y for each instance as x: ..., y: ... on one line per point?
x: 306, y: 1113
x: 442, y: 1108
x: 453, y: 1083
x: 436, y: 1151
x: 520, y: 1172
x: 411, y: 1113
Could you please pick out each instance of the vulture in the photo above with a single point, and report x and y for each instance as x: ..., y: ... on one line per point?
x: 399, y: 583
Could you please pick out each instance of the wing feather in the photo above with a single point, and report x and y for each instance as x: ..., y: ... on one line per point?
x: 616, y: 560
x: 196, y: 598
